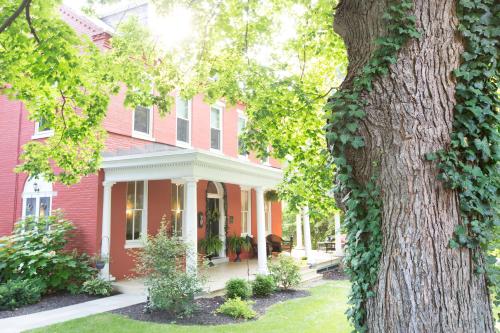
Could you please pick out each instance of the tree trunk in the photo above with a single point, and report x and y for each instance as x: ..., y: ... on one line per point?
x: 423, y: 285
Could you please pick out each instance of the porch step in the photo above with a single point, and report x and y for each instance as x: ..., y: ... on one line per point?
x: 309, y: 275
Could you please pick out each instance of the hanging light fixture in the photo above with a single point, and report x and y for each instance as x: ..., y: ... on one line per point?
x: 36, y: 188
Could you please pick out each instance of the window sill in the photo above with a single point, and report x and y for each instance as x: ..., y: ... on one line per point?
x: 217, y: 151
x: 134, y: 244
x: 183, y: 144
x: 42, y: 135
x: 243, y: 157
x: 142, y: 136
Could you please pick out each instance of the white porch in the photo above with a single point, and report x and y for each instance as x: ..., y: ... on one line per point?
x: 217, y: 276
x: 187, y: 166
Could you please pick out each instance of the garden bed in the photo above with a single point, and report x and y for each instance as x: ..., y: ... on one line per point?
x: 48, y: 302
x: 206, y: 310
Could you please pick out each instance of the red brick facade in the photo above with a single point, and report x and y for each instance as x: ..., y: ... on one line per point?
x: 82, y: 203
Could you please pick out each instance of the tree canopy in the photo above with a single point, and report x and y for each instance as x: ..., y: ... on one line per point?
x: 281, y: 59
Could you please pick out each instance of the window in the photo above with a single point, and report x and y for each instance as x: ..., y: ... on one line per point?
x: 136, y: 213
x: 183, y: 111
x: 216, y: 128
x: 37, y: 198
x: 42, y: 130
x: 242, y: 150
x: 177, y: 206
x: 246, y: 220
x: 267, y: 213
x: 143, y: 122
x: 266, y: 160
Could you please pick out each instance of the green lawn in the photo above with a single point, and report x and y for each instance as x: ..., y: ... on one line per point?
x: 323, y: 311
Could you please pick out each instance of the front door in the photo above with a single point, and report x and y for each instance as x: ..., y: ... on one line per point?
x: 213, y: 218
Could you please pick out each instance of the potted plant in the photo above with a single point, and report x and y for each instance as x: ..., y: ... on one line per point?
x: 236, y: 244
x: 100, y: 261
x: 211, y: 245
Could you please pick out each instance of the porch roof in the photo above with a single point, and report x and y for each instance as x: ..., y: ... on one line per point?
x: 158, y: 161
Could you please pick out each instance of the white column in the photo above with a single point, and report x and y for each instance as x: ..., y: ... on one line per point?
x: 106, y: 228
x: 307, y: 236
x: 338, y: 243
x: 189, y: 226
x: 298, y: 224
x: 261, y: 231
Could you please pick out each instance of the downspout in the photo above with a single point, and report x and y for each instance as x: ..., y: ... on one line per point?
x: 16, y: 185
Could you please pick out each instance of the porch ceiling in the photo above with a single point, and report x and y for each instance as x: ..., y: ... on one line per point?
x: 154, y: 161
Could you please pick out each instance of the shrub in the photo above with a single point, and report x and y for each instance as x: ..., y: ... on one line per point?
x: 36, y: 249
x: 238, y: 288
x: 285, y: 272
x: 237, y: 308
x: 162, y: 262
x: 97, y: 286
x: 263, y: 285
x: 17, y: 293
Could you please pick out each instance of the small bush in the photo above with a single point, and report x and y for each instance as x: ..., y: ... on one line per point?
x: 263, y: 285
x: 98, y: 287
x: 17, y: 293
x: 162, y: 262
x: 285, y: 272
x: 237, y: 308
x: 238, y: 288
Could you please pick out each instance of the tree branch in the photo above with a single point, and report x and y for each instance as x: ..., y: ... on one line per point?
x: 12, y: 18
x: 30, y: 24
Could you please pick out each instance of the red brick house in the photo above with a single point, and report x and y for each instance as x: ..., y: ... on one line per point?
x: 181, y: 166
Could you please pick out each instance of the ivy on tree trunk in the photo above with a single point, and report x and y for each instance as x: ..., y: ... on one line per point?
x: 395, y: 107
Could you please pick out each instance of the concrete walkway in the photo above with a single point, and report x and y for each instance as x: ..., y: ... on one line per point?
x: 45, y: 318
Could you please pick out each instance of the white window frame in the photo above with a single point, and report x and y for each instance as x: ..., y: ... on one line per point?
x: 37, y: 195
x: 190, y: 117
x: 220, y: 106
x: 241, y: 115
x: 41, y: 134
x: 247, y: 232
x: 137, y: 243
x: 139, y: 134
x: 177, y: 183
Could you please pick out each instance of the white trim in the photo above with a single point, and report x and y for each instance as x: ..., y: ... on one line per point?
x: 220, y: 107
x: 241, y: 115
x: 41, y: 134
x: 190, y: 119
x: 144, y: 223
x: 175, y: 164
x: 269, y: 224
x: 142, y: 135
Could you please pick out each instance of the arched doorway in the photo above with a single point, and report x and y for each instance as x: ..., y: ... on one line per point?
x: 37, y: 197
x: 215, y: 214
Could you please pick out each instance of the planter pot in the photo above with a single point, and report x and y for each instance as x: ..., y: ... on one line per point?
x: 238, y: 252
x: 100, y: 264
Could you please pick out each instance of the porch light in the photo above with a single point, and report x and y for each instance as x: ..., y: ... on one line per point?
x: 36, y: 188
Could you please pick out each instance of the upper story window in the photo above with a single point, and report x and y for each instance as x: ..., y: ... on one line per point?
x: 267, y: 160
x: 246, y: 220
x: 183, y: 113
x: 42, y: 130
x: 37, y: 198
x: 143, y: 122
x: 177, y: 206
x: 136, y: 213
x: 242, y: 123
x: 216, y: 127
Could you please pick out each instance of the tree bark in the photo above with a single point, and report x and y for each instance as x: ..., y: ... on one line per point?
x: 423, y: 285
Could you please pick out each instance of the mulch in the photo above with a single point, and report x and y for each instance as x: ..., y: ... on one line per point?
x: 335, y: 274
x: 48, y: 302
x: 205, y: 313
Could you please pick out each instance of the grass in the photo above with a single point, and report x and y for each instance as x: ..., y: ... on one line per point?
x: 323, y: 311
